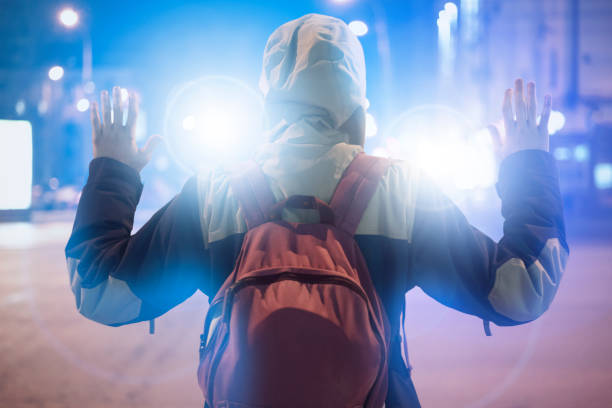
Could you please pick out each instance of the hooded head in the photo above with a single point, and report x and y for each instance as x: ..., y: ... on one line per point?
x: 313, y: 81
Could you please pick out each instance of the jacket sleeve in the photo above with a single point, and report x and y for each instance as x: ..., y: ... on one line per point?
x: 119, y: 278
x: 509, y: 282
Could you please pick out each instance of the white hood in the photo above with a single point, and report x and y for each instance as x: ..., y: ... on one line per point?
x: 313, y: 79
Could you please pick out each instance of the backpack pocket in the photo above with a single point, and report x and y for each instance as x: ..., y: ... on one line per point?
x: 291, y: 339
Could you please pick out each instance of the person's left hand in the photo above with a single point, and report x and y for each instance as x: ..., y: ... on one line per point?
x: 522, y: 131
x: 111, y: 138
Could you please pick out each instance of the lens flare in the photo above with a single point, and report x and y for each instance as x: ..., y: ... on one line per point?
x: 212, y: 122
x: 446, y: 146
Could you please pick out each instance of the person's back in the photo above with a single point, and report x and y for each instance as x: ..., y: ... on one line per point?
x: 410, y: 233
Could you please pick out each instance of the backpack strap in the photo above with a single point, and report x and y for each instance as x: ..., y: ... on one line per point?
x: 355, y: 190
x: 253, y: 193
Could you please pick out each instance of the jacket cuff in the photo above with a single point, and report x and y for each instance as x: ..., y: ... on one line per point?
x: 104, y: 170
x: 525, y: 170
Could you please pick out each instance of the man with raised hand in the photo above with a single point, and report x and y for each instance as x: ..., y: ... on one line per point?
x: 313, y: 81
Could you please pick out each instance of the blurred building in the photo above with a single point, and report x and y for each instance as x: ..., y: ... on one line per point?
x: 563, y: 45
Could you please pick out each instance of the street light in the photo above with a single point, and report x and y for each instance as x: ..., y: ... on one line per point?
x: 68, y: 17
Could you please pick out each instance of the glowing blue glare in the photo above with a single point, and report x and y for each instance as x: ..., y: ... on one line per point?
x: 381, y: 152
x: 451, y: 9
x: 562, y: 153
x: 443, y: 17
x: 15, y: 164
x: 56, y: 73
x: 68, y: 17
x: 371, y: 127
x: 358, y: 27
x: 603, y: 175
x: 89, y: 87
x: 213, y: 121
x: 82, y: 105
x: 470, y: 6
x: 42, y: 107
x: 189, y: 123
x: 20, y: 107
x: 556, y: 122
x: 444, y: 144
x: 581, y: 153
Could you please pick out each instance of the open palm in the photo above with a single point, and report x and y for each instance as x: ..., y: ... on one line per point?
x: 522, y: 129
x: 112, y: 138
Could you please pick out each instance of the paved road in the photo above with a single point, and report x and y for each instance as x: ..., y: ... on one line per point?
x: 50, y: 356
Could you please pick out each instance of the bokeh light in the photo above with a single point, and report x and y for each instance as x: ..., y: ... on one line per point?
x: 20, y: 107
x: 212, y: 122
x: 371, y: 128
x: 556, y: 122
x: 82, y: 104
x: 603, y: 175
x: 562, y: 153
x: 89, y: 87
x: 446, y: 146
x: 56, y: 73
x: 451, y: 9
x: 189, y: 122
x: 581, y: 153
x: 358, y: 27
x: 68, y: 17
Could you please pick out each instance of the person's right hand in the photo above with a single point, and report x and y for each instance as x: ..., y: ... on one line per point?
x: 523, y: 132
x: 114, y: 139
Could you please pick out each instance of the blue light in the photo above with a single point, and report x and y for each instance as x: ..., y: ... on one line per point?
x: 603, y: 175
x: 68, y: 17
x: 555, y: 122
x: 82, y: 105
x: 358, y: 27
x: 451, y: 9
x: 562, y: 153
x: 15, y: 164
x: 56, y: 73
x: 371, y: 126
x: 581, y: 153
x: 201, y: 122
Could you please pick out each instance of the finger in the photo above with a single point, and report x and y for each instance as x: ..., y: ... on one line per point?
x: 117, y: 111
x: 150, y: 146
x: 519, y: 102
x: 106, y: 112
x: 507, y: 110
x: 543, y: 126
x: 95, y: 121
x: 133, y: 108
x: 495, y: 136
x: 531, y: 104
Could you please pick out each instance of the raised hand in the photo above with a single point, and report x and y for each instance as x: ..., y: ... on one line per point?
x: 523, y: 132
x: 111, y: 138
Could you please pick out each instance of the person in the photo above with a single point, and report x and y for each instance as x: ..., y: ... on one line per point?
x: 411, y: 234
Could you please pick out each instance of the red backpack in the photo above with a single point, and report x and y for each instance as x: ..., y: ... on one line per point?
x: 298, y: 322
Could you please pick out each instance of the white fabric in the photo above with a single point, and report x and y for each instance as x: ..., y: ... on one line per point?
x: 110, y: 302
x: 524, y: 293
x: 390, y: 213
x: 313, y: 80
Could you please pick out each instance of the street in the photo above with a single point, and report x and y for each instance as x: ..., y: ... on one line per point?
x: 53, y: 357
